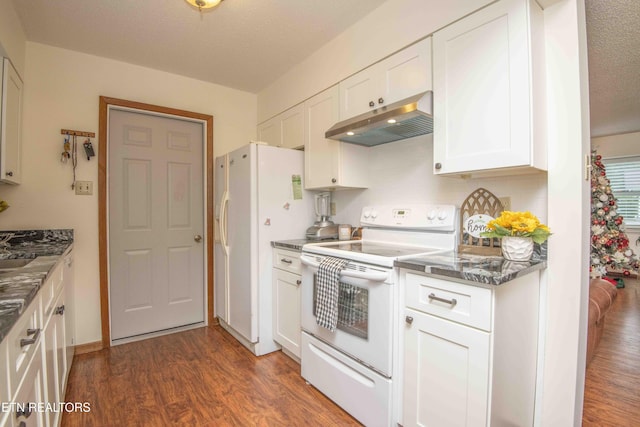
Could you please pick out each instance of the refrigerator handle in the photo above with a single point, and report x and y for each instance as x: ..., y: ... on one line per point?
x: 223, y: 223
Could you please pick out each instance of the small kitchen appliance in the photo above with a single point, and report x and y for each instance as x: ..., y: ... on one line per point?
x: 323, y: 228
x: 356, y: 365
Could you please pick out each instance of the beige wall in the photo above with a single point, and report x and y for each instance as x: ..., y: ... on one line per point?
x: 623, y: 145
x: 12, y: 37
x: 61, y: 91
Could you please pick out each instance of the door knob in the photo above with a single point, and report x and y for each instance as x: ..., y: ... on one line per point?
x: 197, y: 238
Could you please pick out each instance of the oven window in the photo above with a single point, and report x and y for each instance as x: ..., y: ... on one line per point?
x: 353, y: 308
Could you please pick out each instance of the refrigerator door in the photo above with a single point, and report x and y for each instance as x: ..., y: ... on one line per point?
x: 241, y: 236
x: 284, y: 212
x: 221, y: 258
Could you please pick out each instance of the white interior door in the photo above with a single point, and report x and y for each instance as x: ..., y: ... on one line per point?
x: 156, y: 252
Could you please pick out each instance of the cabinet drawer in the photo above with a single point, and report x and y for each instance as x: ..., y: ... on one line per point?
x: 28, y: 327
x: 287, y: 260
x: 50, y: 290
x: 465, y: 304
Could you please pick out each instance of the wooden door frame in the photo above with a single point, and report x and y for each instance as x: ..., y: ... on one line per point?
x: 105, y: 103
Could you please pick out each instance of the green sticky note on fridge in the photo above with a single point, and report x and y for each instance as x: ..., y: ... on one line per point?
x: 296, y: 184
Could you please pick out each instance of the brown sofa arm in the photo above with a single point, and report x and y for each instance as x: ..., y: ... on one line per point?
x: 602, y: 294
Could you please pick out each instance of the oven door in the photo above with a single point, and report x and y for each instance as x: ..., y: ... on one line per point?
x: 365, y: 308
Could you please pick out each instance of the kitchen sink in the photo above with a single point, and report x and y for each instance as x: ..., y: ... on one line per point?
x: 14, y: 264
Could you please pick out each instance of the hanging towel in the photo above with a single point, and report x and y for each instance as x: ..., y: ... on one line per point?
x: 328, y: 282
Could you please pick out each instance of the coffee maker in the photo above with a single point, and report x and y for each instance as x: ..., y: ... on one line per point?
x: 323, y: 228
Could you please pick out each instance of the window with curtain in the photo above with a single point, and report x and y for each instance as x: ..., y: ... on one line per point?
x: 624, y: 176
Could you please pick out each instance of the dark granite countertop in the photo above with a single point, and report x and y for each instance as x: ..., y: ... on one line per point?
x: 296, y: 244
x: 485, y: 270
x: 18, y: 287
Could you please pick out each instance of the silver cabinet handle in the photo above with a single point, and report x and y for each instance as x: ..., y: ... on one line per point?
x: 24, y: 412
x: 59, y: 310
x: 197, y: 238
x: 286, y: 261
x: 408, y: 319
x: 28, y: 341
x: 451, y: 301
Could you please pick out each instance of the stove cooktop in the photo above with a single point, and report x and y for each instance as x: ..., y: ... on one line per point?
x: 381, y: 253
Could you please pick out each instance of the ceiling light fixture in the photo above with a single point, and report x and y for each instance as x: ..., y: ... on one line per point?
x: 204, y: 4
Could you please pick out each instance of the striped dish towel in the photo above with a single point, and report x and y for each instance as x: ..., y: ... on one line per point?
x: 327, y: 292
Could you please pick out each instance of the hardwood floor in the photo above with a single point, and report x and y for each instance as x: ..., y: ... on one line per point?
x: 612, y: 386
x: 201, y: 377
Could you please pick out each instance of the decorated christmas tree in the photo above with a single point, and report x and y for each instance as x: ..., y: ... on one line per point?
x: 609, y: 244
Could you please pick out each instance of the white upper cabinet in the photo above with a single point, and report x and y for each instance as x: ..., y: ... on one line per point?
x: 284, y: 130
x: 330, y: 164
x: 488, y: 85
x: 10, y: 125
x: 400, y: 76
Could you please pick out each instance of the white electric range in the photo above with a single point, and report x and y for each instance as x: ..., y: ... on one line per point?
x: 354, y: 365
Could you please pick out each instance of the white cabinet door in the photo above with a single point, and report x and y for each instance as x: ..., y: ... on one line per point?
x: 483, y: 90
x: 330, y: 164
x: 400, y: 76
x: 69, y: 310
x: 446, y: 373
x: 11, y: 125
x: 284, y: 130
x: 292, y: 125
x: 286, y: 319
x: 358, y: 93
x: 31, y: 390
x: 270, y: 132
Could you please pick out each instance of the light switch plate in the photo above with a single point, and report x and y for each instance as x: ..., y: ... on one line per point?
x: 84, y: 188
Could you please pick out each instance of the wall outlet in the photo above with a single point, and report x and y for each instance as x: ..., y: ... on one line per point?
x: 84, y: 188
x: 506, y: 202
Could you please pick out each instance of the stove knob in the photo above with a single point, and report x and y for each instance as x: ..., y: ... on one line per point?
x: 442, y: 215
x: 366, y: 214
x: 374, y: 214
x: 431, y: 215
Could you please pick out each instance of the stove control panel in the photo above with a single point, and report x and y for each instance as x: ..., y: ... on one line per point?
x: 411, y: 216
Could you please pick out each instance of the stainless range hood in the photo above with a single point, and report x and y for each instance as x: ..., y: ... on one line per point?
x: 405, y: 119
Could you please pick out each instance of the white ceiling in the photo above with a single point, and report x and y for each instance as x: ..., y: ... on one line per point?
x: 243, y: 44
x: 613, y: 36
x: 247, y: 44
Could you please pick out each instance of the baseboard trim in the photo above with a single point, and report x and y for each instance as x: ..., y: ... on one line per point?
x: 89, y: 347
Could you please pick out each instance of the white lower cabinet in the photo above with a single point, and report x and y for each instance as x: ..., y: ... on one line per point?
x: 36, y: 355
x: 446, y: 372
x: 469, y: 353
x: 286, y: 301
x: 30, y: 392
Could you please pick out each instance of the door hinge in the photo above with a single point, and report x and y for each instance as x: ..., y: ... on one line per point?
x: 587, y: 167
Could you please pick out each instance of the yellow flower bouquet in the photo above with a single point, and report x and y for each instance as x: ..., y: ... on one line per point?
x: 518, y: 224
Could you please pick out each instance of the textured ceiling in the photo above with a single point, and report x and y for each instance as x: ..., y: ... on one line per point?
x: 247, y: 44
x: 243, y: 44
x: 613, y: 36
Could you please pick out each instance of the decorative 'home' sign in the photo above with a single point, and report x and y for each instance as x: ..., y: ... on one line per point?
x: 480, y: 207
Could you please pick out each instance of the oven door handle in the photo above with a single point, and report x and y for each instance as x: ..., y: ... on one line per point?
x: 370, y: 274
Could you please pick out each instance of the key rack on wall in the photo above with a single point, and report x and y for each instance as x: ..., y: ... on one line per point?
x: 71, y: 148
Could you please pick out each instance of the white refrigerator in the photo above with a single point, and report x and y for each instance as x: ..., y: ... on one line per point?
x: 259, y: 198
